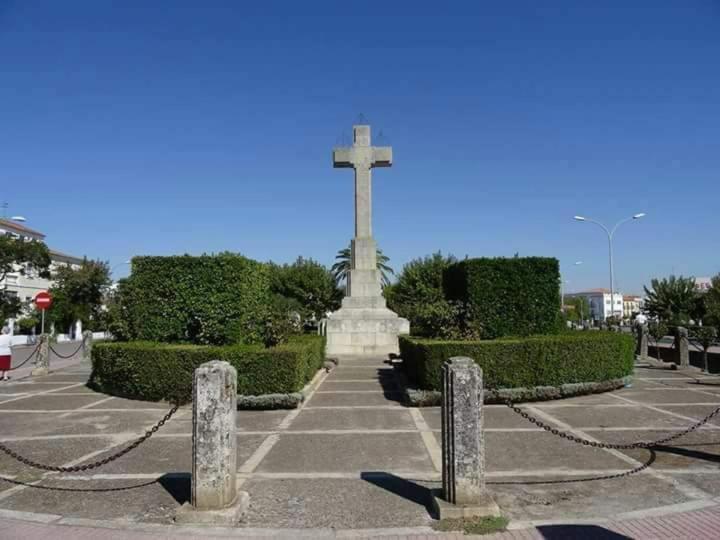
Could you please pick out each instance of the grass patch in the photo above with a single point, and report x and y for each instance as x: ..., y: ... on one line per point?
x: 477, y: 525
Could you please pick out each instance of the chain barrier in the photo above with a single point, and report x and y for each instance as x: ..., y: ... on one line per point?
x: 610, y: 446
x: 80, y: 468
x: 32, y: 354
x: 63, y: 357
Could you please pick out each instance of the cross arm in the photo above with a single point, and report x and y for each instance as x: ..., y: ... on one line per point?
x: 382, y: 156
x: 342, y: 157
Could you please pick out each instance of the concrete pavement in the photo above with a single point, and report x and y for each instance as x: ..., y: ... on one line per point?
x: 354, y: 460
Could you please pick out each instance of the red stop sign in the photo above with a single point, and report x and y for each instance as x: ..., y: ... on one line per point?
x: 43, y: 300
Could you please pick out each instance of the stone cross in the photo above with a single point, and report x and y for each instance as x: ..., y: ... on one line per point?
x: 42, y: 360
x: 682, y: 344
x: 362, y: 157
x: 214, y: 494
x: 463, y: 445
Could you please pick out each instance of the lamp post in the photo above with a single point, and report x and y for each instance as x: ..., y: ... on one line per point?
x: 610, y: 233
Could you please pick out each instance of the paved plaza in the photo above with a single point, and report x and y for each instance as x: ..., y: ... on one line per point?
x: 353, y: 457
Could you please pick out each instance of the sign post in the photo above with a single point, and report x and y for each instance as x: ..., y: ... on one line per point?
x: 43, y: 301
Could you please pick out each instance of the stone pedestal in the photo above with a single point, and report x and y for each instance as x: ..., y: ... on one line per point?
x: 682, y: 347
x: 641, y: 349
x: 42, y: 360
x: 87, y: 342
x: 215, y: 498
x: 463, y: 447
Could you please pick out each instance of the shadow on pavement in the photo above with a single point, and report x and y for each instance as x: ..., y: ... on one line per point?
x: 407, y: 489
x: 686, y: 452
x: 178, y: 485
x: 586, y: 532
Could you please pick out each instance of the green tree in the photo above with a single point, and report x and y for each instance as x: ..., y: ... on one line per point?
x: 705, y: 336
x: 673, y: 299
x: 341, y: 268
x: 307, y: 285
x: 78, y: 294
x: 657, y: 330
x: 712, y: 302
x: 21, y: 256
x: 579, y: 309
x: 419, y: 297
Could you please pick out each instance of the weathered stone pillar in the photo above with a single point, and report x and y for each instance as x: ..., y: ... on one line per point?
x: 641, y: 349
x: 87, y: 342
x: 215, y: 497
x: 42, y: 359
x: 463, y: 448
x: 682, y: 347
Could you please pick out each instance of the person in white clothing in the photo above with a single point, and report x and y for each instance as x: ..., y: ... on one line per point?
x: 5, y: 353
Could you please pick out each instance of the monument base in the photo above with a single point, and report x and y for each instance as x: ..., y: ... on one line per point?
x: 39, y: 372
x: 231, y: 515
x: 484, y: 507
x: 364, y: 327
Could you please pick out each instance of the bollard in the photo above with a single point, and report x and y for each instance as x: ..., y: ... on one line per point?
x: 215, y: 498
x: 463, y: 445
x: 42, y: 360
x: 642, y: 342
x: 682, y: 347
x: 87, y: 344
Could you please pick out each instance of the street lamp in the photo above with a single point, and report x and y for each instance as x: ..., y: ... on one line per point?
x: 610, y: 234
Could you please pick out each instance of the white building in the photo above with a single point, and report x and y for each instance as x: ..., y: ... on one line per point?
x: 599, y: 301
x: 26, y: 285
x: 703, y: 284
x: 632, y: 305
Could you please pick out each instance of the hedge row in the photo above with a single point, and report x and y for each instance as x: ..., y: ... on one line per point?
x: 517, y: 296
x: 155, y: 371
x: 191, y: 299
x: 524, y: 362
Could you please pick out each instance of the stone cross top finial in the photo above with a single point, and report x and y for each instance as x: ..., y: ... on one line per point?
x: 362, y: 157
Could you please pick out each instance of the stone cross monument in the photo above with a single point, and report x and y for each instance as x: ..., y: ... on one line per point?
x: 363, y: 325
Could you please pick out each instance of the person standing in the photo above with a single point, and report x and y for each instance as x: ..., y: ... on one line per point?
x: 5, y: 353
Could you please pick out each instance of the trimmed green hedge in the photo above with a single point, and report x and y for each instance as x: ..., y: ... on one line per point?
x: 507, y: 297
x: 154, y: 371
x: 210, y: 299
x: 524, y: 362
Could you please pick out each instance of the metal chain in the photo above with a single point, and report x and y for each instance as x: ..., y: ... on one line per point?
x: 611, y: 446
x: 68, y: 356
x: 26, y: 360
x: 80, y: 468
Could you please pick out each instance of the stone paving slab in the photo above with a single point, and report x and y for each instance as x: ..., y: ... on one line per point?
x: 347, y: 453
x: 118, y: 403
x: 55, y: 452
x: 154, y: 502
x: 695, y: 450
x: 49, y: 402
x: 669, y: 396
x: 697, y: 412
x: 383, y: 501
x: 167, y: 455
x: 348, y: 419
x: 91, y: 423
x: 527, y: 451
x: 585, y: 499
x: 356, y: 398
x: 495, y: 418
x: 613, y: 417
x: 376, y: 384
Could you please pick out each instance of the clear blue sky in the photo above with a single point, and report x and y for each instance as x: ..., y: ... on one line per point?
x: 168, y: 127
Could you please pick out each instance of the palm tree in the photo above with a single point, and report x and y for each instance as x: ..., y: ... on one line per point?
x: 341, y: 268
x: 672, y: 299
